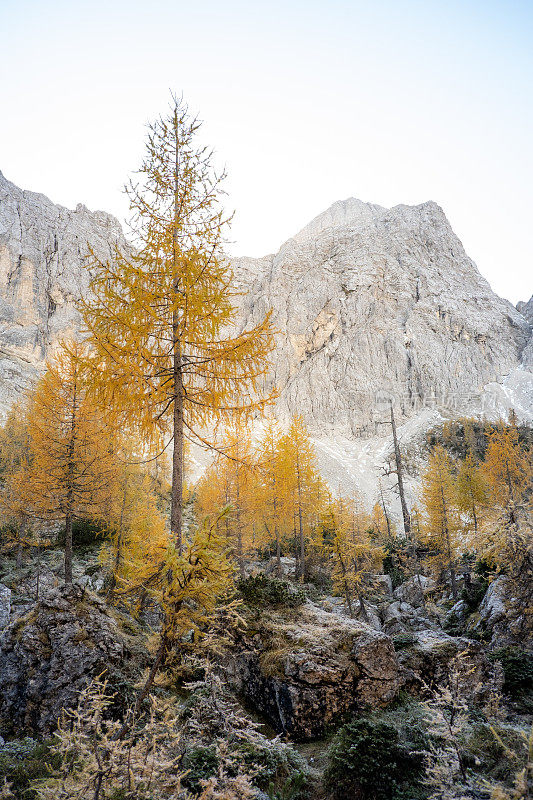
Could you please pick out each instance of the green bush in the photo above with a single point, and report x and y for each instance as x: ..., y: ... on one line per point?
x: 495, y: 751
x: 277, y: 768
x: 200, y: 763
x: 263, y: 590
x: 367, y: 761
x: 391, y: 563
x: 403, y: 640
x: 23, y: 761
x: 85, y: 532
x: 518, y: 673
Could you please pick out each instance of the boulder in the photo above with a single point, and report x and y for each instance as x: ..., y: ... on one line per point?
x: 501, y: 617
x: 413, y: 590
x: 399, y: 617
x: 50, y: 653
x: 434, y: 659
x: 305, y: 673
x: 493, y: 610
x: 383, y: 584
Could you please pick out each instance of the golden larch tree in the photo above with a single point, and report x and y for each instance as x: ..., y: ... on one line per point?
x: 471, y: 488
x: 160, y: 317
x: 71, y: 451
x: 442, y: 520
x: 507, y: 465
x: 356, y: 558
x: 228, y: 484
x: 268, y: 488
x: 14, y: 460
x: 301, y: 489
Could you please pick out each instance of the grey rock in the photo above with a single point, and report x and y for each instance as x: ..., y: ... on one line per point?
x: 43, y: 253
x: 415, y: 589
x: 321, y: 666
x: 376, y: 304
x: 5, y: 605
x: 49, y: 654
x: 383, y: 583
x: 436, y: 658
x: 493, y: 609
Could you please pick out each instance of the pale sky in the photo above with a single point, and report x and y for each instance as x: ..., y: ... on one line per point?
x: 306, y: 103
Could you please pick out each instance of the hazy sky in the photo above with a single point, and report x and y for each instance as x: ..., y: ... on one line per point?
x: 305, y: 102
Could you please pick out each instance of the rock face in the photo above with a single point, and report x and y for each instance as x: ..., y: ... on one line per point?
x: 43, y: 250
x: 52, y: 652
x: 305, y: 674
x: 526, y: 309
x: 435, y: 659
x: 374, y: 303
x: 5, y: 605
x: 371, y: 304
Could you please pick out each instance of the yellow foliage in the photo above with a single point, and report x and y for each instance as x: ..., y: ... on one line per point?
x: 441, y: 532
x: 159, y: 317
x: 355, y: 557
x: 507, y: 467
x: 71, y: 451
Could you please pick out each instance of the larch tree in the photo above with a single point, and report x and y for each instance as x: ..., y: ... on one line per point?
x: 227, y: 484
x: 160, y: 318
x: 71, y: 452
x: 471, y: 489
x: 301, y: 488
x: 14, y: 460
x: 441, y: 531
x: 268, y: 490
x: 138, y: 537
x: 355, y: 557
x: 507, y: 465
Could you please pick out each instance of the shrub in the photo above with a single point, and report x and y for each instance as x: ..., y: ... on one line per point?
x: 518, y: 673
x: 495, y: 751
x: 367, y: 761
x: 23, y: 761
x: 276, y: 767
x: 261, y: 589
x: 85, y: 532
x: 200, y: 763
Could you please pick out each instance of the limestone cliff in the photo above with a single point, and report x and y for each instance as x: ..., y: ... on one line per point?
x: 371, y: 304
x: 43, y: 248
x: 374, y: 303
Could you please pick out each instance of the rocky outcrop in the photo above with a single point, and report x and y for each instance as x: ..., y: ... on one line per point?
x: 373, y: 304
x: 501, y: 619
x: 52, y: 652
x: 433, y: 659
x: 43, y: 254
x: 304, y: 674
x: 526, y: 309
x: 415, y: 590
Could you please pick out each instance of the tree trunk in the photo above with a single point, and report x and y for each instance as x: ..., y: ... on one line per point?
x: 453, y: 577
x: 278, y: 553
x: 301, y: 527
x: 362, y: 606
x: 21, y: 531
x: 176, y: 503
x: 238, y: 517
x: 68, y: 549
x: 399, y: 474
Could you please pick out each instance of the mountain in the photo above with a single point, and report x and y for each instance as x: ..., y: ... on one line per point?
x: 371, y: 305
x: 42, y: 252
x: 374, y: 304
